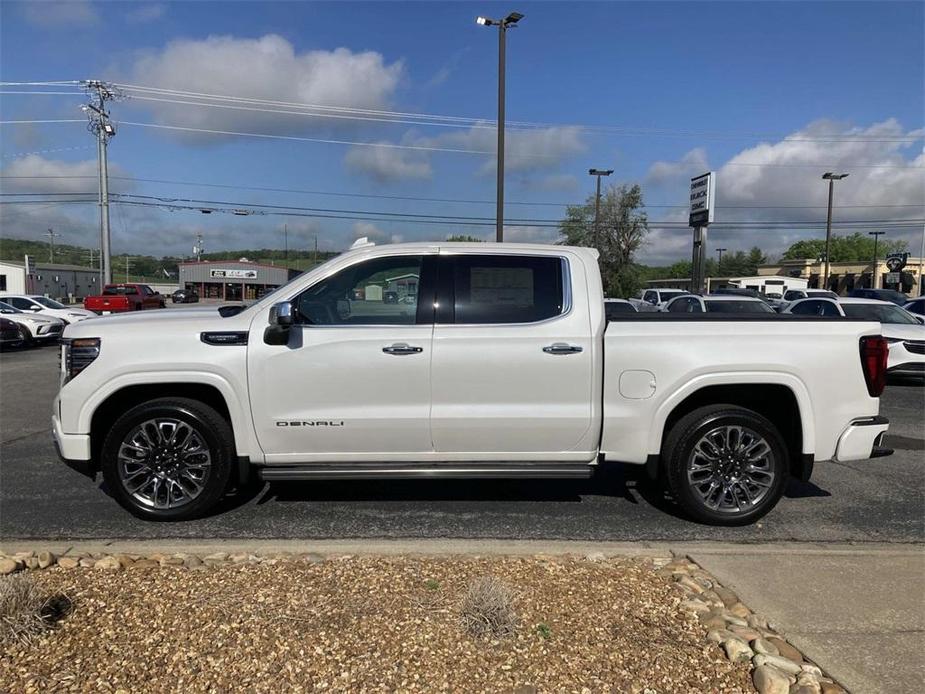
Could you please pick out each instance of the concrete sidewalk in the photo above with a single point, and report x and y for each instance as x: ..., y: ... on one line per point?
x: 858, y: 613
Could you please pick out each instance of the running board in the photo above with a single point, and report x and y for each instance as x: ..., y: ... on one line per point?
x: 353, y: 471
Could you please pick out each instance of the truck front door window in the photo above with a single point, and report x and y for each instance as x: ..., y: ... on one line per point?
x: 382, y: 291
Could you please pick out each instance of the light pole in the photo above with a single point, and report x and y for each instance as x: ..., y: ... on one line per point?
x: 831, y: 178
x: 876, y: 235
x: 597, y: 201
x: 502, y: 25
x: 719, y: 262
x: 51, y: 233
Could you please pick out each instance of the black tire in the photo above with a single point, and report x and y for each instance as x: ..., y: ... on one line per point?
x: 26, y: 337
x: 215, y: 435
x: 678, y: 454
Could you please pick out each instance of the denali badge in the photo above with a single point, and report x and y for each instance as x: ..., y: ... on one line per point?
x: 303, y: 423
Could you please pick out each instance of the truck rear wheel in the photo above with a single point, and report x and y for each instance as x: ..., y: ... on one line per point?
x: 725, y: 465
x: 168, y: 459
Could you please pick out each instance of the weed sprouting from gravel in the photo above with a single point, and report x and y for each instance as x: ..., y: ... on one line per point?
x: 543, y: 630
x: 488, y: 608
x: 24, y: 611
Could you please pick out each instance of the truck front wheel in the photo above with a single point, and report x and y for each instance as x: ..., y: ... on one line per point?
x: 725, y: 465
x: 168, y: 459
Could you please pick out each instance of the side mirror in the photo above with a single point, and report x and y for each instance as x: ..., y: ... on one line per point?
x: 280, y: 321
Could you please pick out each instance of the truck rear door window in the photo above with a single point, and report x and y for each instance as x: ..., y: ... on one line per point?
x: 503, y: 289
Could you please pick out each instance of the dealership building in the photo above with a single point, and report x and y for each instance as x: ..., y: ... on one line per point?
x: 232, y: 280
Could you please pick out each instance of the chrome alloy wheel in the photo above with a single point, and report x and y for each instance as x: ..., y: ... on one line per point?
x: 164, y: 463
x: 731, y: 469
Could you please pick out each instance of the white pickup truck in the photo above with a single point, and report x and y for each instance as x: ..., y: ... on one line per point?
x: 463, y: 360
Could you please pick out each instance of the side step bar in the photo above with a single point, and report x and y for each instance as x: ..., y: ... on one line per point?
x: 353, y: 471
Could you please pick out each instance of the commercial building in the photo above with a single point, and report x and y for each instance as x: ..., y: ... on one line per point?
x: 67, y: 283
x: 845, y: 276
x: 232, y: 280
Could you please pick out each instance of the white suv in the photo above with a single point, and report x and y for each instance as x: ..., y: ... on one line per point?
x: 33, y: 303
x: 33, y: 328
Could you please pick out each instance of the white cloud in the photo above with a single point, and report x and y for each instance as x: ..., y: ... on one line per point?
x: 374, y: 233
x: 781, y: 181
x: 691, y: 164
x: 39, y: 174
x: 65, y: 14
x: 388, y: 164
x: 266, y: 68
x: 144, y: 13
x: 530, y: 234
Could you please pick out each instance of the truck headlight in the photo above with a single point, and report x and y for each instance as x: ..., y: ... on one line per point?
x: 77, y: 354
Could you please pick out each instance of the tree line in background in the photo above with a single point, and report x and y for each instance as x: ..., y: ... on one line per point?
x: 149, y: 267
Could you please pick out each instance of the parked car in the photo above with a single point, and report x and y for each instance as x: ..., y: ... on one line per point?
x: 33, y: 328
x: 185, y: 296
x: 718, y: 303
x: 34, y: 303
x: 916, y: 306
x: 504, y: 368
x: 122, y: 297
x: 9, y: 334
x: 655, y: 299
x: 614, y: 307
x: 890, y: 295
x: 796, y: 294
x: 904, y: 331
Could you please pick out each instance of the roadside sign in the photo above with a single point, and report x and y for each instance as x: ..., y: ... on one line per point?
x: 897, y: 261
x: 891, y: 278
x: 702, y: 199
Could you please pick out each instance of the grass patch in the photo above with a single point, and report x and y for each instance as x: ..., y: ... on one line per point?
x: 25, y: 611
x: 488, y: 608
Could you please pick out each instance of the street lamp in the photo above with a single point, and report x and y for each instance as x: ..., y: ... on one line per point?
x: 831, y: 178
x: 502, y: 25
x: 876, y: 235
x: 719, y: 262
x: 597, y: 200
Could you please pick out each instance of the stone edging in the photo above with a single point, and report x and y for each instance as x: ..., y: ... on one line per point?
x: 777, y: 667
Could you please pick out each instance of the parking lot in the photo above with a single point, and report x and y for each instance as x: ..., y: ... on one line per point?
x: 868, y: 501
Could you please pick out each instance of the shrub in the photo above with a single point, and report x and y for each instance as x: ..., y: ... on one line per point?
x: 488, y: 608
x: 24, y: 611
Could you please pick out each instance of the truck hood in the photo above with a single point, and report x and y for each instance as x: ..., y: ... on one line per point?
x: 903, y: 332
x: 159, y: 320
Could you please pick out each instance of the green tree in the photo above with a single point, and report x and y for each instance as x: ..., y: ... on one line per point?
x: 857, y: 246
x: 465, y: 238
x: 624, y: 225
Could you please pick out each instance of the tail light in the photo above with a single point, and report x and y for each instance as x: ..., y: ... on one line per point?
x: 874, y: 354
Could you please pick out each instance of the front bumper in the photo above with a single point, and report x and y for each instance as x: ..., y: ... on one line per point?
x: 70, y: 446
x: 862, y: 439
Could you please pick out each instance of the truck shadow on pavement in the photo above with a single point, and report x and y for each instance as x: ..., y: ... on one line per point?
x: 629, y: 483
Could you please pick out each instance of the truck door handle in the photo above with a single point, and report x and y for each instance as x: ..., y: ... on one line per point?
x: 561, y: 348
x: 400, y: 348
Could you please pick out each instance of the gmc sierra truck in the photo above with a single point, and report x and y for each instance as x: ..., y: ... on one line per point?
x: 492, y: 361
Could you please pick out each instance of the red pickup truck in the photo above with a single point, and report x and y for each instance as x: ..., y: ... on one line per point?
x: 118, y: 298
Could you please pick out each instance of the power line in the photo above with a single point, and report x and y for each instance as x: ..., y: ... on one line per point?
x: 302, y: 191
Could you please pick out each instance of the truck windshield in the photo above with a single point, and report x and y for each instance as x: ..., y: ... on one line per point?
x: 47, y: 303
x: 880, y: 313
x: 738, y: 307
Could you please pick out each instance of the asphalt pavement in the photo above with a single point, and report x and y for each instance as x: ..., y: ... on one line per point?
x: 873, y: 501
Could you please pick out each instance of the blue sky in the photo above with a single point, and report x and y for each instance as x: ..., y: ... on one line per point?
x: 769, y: 94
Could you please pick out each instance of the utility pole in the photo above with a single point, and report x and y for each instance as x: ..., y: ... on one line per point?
x: 126, y: 267
x: 102, y: 127
x: 875, y: 273
x: 597, y: 202
x: 719, y: 262
x: 90, y: 251
x: 316, y: 250
x: 831, y: 178
x: 51, y: 233
x: 286, y: 237
x: 197, y: 249
x: 502, y: 24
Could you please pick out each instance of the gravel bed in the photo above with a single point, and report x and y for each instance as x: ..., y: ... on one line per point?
x: 368, y: 624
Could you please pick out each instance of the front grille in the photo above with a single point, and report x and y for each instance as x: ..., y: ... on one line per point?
x: 915, y: 346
